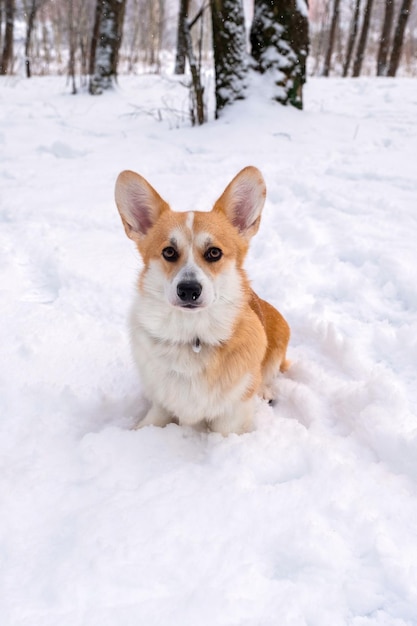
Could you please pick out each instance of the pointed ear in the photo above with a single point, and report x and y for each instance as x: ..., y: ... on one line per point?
x: 242, y: 201
x: 139, y: 204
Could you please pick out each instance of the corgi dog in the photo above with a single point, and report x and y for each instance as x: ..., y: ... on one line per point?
x: 204, y: 342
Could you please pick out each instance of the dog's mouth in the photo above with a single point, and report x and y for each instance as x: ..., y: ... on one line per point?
x: 190, y: 306
x: 187, y: 306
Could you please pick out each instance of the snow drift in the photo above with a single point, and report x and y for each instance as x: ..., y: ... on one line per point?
x: 310, y: 519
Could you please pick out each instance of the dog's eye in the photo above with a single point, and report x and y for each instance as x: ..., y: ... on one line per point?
x: 213, y: 254
x: 170, y: 254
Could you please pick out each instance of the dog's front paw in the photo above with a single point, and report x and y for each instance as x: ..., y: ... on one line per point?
x: 138, y: 425
x: 156, y: 416
x: 267, y: 393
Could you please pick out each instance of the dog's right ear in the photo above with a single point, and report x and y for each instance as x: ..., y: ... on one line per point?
x: 242, y: 201
x: 139, y: 204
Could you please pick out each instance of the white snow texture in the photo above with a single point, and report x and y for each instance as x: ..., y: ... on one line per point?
x: 310, y: 520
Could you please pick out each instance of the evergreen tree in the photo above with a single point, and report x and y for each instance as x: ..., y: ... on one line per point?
x: 279, y: 42
x: 229, y: 46
x: 105, y: 44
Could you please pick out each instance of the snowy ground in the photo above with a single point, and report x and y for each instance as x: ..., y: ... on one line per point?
x: 311, y: 520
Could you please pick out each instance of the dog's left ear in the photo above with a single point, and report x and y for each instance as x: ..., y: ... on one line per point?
x: 242, y: 201
x: 139, y: 204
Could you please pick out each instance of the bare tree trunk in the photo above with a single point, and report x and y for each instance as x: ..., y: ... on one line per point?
x: 7, y: 53
x: 84, y: 58
x: 82, y: 34
x: 382, y: 61
x: 29, y: 28
x: 72, y: 45
x: 181, y: 43
x: 328, y: 58
x: 160, y: 30
x: 94, y: 37
x: 133, y: 34
x: 57, y: 20
x: 360, y: 52
x: 398, y: 37
x: 108, y: 37
x: 352, y: 38
x: 319, y: 40
x: 1, y: 24
x: 196, y: 78
x: 152, y: 19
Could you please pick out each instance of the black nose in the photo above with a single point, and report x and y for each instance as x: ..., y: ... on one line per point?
x: 189, y: 291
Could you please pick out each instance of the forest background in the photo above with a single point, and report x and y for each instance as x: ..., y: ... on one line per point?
x: 342, y: 38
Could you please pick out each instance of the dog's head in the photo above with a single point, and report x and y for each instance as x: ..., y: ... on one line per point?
x: 192, y: 259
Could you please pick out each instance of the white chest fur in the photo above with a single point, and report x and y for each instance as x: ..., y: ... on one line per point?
x: 173, y: 373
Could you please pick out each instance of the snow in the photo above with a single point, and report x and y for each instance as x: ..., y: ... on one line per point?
x: 311, y: 518
x: 302, y: 7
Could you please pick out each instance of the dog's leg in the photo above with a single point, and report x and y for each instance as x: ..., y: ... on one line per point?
x: 239, y: 420
x: 270, y: 378
x: 156, y: 416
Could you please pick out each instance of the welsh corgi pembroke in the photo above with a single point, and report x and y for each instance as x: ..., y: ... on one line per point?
x: 204, y: 342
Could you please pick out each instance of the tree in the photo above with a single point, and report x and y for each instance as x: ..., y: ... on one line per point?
x: 7, y: 52
x: 72, y: 45
x: 181, y: 40
x: 279, y: 42
x: 382, y: 61
x: 360, y: 52
x: 335, y: 18
x: 31, y: 12
x: 352, y: 38
x: 185, y: 52
x: 95, y: 37
x: 197, y: 91
x: 154, y: 11
x: 30, y: 16
x: 398, y: 37
x: 229, y: 47
x: 105, y: 44
x: 320, y: 16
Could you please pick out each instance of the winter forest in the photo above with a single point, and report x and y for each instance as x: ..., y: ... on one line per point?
x: 310, y: 518
x: 93, y: 41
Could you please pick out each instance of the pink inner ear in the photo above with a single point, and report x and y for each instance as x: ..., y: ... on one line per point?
x: 246, y: 203
x: 139, y: 204
x: 139, y: 211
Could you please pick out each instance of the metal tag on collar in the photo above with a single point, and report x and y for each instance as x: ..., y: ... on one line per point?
x: 196, y: 345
